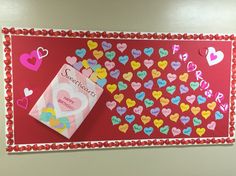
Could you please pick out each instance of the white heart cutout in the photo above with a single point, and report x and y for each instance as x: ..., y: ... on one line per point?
x: 214, y: 57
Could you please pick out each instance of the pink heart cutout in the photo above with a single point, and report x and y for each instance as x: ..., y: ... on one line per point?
x: 66, y: 102
x: 31, y: 61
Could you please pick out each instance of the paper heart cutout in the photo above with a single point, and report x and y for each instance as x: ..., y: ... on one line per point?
x: 42, y: 52
x: 67, y: 101
x: 28, y: 92
x: 31, y: 61
x: 214, y: 57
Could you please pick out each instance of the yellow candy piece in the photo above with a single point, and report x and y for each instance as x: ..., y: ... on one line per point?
x: 195, y: 110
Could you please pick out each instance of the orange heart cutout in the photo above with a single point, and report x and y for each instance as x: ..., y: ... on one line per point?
x: 123, y: 128
x: 164, y: 101
x: 128, y: 76
x: 155, y: 73
x: 119, y: 97
x: 174, y: 117
x: 145, y: 119
x: 97, y: 54
x: 211, y: 105
x: 183, y: 77
x: 195, y: 110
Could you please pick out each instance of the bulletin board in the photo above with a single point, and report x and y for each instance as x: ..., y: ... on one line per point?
x: 158, y: 89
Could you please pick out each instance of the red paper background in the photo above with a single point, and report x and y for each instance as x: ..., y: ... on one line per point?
x: 97, y: 125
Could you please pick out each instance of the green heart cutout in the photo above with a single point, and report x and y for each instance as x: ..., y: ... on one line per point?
x: 171, y: 89
x: 194, y: 85
x: 163, y: 52
x: 137, y: 128
x: 197, y: 121
x: 164, y: 129
x: 122, y: 85
x: 115, y: 120
x: 141, y: 74
x: 110, y: 55
x: 148, y: 103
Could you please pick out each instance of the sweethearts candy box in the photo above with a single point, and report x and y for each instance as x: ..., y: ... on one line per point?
x: 67, y: 101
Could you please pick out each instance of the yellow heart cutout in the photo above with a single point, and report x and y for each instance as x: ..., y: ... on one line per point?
x: 128, y: 76
x: 111, y: 87
x: 123, y: 128
x: 195, y: 110
x: 200, y: 131
x: 54, y: 122
x: 145, y: 119
x: 93, y: 77
x: 164, y: 101
x: 206, y: 114
x: 184, y: 107
x: 130, y: 103
x: 85, y: 64
x: 211, y: 105
x: 174, y: 117
x: 51, y: 110
x: 97, y: 54
x: 162, y: 64
x: 92, y: 45
x: 101, y: 73
x: 119, y: 97
x: 155, y: 73
x: 158, y: 122
x: 135, y: 65
x: 156, y: 94
x: 183, y: 77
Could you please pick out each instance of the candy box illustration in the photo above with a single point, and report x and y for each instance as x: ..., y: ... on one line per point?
x: 67, y: 101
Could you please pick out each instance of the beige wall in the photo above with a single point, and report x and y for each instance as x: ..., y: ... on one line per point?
x: 167, y: 16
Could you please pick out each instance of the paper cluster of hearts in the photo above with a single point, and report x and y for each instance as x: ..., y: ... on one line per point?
x: 67, y: 101
x: 116, y: 89
x: 168, y: 94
